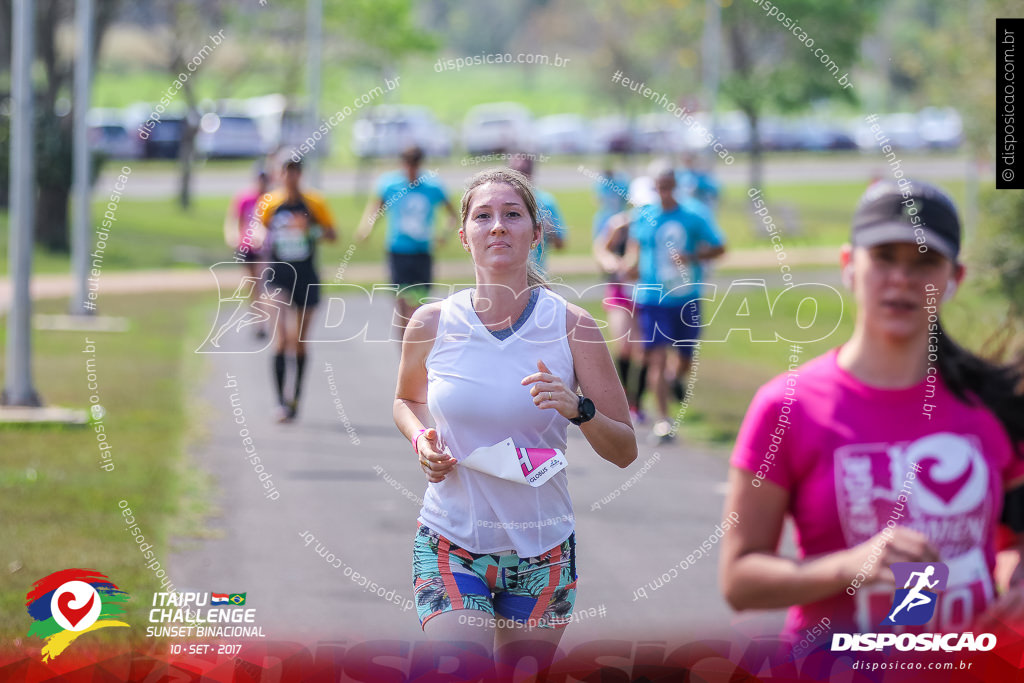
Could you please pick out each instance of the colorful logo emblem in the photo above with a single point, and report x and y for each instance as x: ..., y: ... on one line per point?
x: 914, y: 604
x: 68, y: 603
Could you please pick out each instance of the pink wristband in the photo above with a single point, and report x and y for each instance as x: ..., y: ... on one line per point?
x: 415, y: 439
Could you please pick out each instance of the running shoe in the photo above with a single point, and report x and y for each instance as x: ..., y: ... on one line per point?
x: 283, y: 413
x: 293, y: 409
x: 662, y: 432
x: 638, y: 417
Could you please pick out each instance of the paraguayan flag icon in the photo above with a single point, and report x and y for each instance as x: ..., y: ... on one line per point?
x: 532, y: 466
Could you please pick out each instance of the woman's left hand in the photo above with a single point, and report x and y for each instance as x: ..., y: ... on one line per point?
x: 549, y: 392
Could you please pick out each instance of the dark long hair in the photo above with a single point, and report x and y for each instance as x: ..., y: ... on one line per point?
x: 1000, y: 387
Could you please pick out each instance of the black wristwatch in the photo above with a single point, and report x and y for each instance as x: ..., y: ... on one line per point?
x: 587, y: 411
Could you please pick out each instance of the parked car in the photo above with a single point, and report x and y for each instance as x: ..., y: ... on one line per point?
x: 940, y: 128
x: 162, y: 139
x: 779, y: 134
x: 564, y: 134
x: 228, y: 136
x: 109, y: 135
x: 660, y: 133
x: 385, y: 130
x: 497, y: 127
x: 900, y: 129
x: 614, y: 134
x: 733, y: 130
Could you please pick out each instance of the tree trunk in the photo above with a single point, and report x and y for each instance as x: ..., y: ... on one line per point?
x: 186, y: 154
x: 52, y: 218
x: 756, y: 152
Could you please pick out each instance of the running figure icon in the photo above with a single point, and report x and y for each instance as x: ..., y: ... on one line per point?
x: 915, y: 597
x: 246, y: 313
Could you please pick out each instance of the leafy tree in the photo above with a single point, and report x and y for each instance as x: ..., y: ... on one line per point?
x: 767, y: 64
x: 53, y: 128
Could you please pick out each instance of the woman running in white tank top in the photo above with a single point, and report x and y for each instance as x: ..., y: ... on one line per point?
x: 494, y: 560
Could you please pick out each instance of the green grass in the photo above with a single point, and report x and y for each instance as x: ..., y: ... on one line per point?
x: 730, y: 372
x: 822, y: 212
x: 59, y: 508
x: 159, y: 234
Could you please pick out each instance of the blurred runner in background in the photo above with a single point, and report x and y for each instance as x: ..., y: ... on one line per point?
x: 694, y: 179
x: 611, y: 231
x: 555, y: 230
x: 409, y: 198
x: 667, y: 244
x: 296, y: 220
x: 245, y: 234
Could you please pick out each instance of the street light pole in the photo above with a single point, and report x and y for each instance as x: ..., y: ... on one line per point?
x: 710, y: 48
x: 81, y: 214
x: 314, y: 45
x: 18, y: 389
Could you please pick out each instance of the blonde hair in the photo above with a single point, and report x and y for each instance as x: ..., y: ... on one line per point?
x: 521, y: 184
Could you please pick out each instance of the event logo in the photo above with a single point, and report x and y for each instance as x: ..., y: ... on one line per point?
x: 914, y: 604
x: 68, y: 603
x: 254, y: 303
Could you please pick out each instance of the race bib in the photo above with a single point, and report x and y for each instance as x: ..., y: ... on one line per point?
x: 291, y: 244
x: 530, y: 466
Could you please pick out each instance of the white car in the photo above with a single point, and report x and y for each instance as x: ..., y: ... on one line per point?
x: 564, y: 134
x: 898, y: 130
x: 940, y: 128
x: 497, y: 127
x: 229, y: 136
x: 386, y: 130
x: 111, y: 135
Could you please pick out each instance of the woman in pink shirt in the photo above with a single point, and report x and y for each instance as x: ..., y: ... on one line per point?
x: 895, y: 447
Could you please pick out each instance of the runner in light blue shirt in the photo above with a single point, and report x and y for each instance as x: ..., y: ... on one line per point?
x: 408, y: 197
x: 667, y: 243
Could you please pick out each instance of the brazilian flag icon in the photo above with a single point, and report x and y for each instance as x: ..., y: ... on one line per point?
x: 237, y: 598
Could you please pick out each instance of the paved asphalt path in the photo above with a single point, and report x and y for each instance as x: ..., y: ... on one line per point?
x: 323, y: 467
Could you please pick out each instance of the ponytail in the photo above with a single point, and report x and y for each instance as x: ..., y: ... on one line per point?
x: 971, y: 379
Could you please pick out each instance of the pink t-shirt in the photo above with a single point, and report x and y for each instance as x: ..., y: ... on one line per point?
x: 244, y: 207
x: 853, y: 457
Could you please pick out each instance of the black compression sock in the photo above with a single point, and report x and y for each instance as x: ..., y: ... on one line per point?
x: 279, y: 371
x: 624, y: 371
x: 300, y: 366
x: 641, y: 386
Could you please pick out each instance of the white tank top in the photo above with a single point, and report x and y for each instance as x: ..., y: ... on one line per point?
x: 476, y: 398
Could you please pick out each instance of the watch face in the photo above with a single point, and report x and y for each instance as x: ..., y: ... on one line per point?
x: 587, y: 410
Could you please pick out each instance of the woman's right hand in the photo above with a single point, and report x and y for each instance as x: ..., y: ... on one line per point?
x: 899, y: 544
x: 433, y: 461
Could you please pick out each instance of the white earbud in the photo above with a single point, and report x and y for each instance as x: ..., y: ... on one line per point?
x: 847, y: 275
